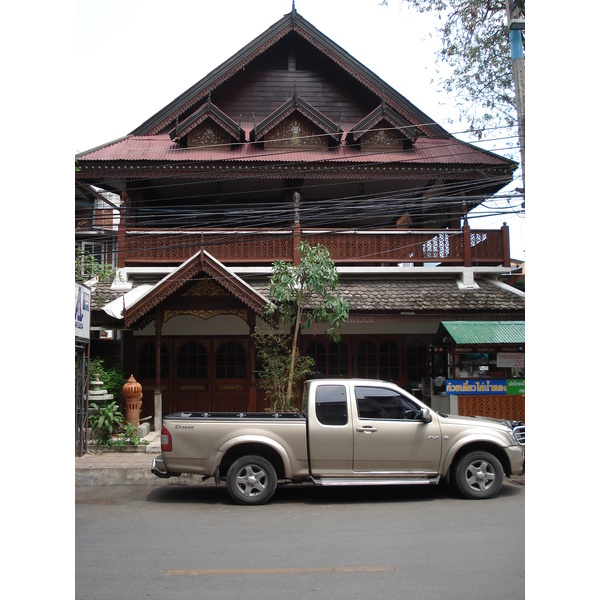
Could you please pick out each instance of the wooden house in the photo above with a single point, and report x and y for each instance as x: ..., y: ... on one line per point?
x: 290, y: 139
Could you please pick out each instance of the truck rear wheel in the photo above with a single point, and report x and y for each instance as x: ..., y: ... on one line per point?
x: 478, y: 475
x: 251, y: 480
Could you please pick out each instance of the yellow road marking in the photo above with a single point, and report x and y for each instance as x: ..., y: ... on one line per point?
x: 286, y: 571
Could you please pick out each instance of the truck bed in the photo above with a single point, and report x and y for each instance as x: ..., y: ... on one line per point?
x: 256, y: 416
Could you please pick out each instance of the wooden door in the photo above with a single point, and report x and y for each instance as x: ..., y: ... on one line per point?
x: 231, y: 376
x: 193, y: 377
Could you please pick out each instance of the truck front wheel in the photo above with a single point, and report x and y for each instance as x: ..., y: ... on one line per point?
x: 478, y: 475
x: 251, y: 480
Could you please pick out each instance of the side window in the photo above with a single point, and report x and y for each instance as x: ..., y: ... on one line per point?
x: 331, y: 405
x: 382, y: 403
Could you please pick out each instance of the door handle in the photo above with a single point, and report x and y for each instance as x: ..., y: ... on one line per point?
x: 366, y: 429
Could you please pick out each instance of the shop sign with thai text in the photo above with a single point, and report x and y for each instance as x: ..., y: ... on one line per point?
x: 485, y: 387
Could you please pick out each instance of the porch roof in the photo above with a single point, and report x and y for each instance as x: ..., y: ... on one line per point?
x: 369, y: 297
x: 485, y: 332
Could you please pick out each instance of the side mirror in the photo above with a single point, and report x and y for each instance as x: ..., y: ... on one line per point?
x: 426, y: 415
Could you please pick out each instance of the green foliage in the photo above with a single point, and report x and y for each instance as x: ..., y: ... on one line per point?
x: 306, y: 293
x: 112, y: 379
x: 129, y: 436
x: 87, y: 267
x: 274, y: 353
x: 475, y: 46
x: 105, y: 421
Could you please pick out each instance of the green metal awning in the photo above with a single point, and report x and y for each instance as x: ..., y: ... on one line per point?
x: 485, y: 332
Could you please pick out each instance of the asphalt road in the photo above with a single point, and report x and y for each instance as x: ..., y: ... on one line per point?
x: 175, y: 542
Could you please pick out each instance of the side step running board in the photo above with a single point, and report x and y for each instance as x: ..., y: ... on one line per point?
x: 332, y: 481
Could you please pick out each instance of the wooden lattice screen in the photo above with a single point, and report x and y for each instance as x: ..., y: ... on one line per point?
x: 498, y: 407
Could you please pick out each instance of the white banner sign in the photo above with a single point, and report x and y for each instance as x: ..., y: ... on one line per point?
x: 510, y: 359
x: 83, y: 296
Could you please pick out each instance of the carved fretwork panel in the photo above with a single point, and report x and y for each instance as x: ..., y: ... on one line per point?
x: 206, y: 287
x: 296, y: 132
x: 484, y: 245
x: 487, y: 247
x: 384, y: 137
x: 205, y: 314
x: 497, y: 407
x: 208, y: 134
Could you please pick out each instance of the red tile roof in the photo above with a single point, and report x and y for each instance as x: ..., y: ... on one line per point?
x: 162, y: 149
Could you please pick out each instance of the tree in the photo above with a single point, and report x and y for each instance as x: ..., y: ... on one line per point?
x: 274, y: 353
x: 305, y: 294
x: 87, y: 266
x: 475, y: 47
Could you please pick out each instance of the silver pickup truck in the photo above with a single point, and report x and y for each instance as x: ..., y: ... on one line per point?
x: 349, y: 432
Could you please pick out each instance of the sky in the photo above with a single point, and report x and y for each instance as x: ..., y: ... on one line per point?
x: 133, y: 57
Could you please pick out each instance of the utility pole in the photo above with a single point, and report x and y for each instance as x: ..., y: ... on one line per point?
x: 515, y: 25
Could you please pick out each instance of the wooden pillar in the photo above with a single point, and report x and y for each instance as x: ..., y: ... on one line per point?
x: 505, y: 246
x: 252, y: 358
x: 468, y: 260
x: 158, y: 322
x: 122, y: 238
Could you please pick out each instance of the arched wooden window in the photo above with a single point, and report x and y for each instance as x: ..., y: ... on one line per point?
x: 389, y: 361
x: 366, y: 360
x: 192, y: 361
x: 339, y: 360
x: 147, y: 362
x: 231, y: 361
x: 316, y: 350
x: 416, y: 362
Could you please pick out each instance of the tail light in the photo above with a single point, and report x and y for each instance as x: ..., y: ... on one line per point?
x: 166, y: 441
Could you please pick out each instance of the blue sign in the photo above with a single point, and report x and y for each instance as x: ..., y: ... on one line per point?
x: 476, y: 387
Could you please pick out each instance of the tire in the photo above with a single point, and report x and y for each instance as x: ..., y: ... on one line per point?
x: 251, y: 480
x: 478, y: 475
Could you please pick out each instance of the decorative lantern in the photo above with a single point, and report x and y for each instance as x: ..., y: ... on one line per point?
x: 132, y: 394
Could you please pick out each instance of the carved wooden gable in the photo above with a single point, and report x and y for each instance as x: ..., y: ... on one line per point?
x: 208, y: 133
x: 382, y: 130
x: 206, y: 127
x: 384, y: 137
x: 296, y: 132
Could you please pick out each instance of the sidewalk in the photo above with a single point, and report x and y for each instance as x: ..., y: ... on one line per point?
x: 134, y: 468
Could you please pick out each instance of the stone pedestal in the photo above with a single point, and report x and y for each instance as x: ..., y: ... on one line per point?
x: 97, y: 394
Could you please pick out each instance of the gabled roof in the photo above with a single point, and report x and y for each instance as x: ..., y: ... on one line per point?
x: 207, y: 111
x: 289, y: 24
x: 373, y: 298
x: 382, y: 113
x: 296, y: 104
x: 201, y: 262
x: 405, y: 140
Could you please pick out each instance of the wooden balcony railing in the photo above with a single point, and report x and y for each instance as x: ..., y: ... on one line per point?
x: 464, y: 246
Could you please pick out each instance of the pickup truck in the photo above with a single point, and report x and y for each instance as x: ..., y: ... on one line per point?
x: 349, y: 432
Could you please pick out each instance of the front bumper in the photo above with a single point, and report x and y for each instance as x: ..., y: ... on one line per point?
x: 516, y: 458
